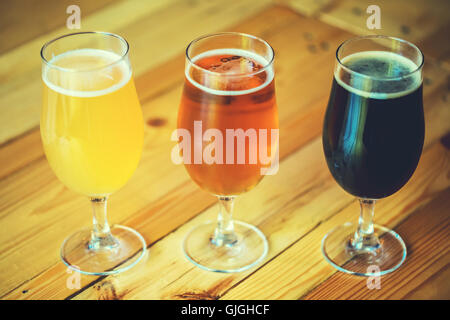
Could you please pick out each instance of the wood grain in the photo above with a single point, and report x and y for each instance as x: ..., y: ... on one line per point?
x: 157, y: 150
x: 145, y: 24
x: 425, y: 23
x: 424, y: 230
x: 20, y: 23
x: 303, y: 264
x: 294, y: 209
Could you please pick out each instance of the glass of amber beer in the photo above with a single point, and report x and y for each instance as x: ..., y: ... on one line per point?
x: 92, y: 133
x: 229, y: 113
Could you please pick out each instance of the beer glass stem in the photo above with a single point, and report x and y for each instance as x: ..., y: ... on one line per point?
x: 224, y: 233
x: 101, y: 237
x: 365, y: 239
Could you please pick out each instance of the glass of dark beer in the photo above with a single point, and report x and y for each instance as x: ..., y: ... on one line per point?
x: 228, y: 97
x: 373, y: 136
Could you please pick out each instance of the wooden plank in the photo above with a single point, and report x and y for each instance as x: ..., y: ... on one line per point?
x: 436, y: 93
x: 41, y: 216
x: 426, y: 233
x: 284, y: 218
x: 29, y: 145
x: 150, y: 85
x: 275, y: 206
x: 20, y: 153
x: 157, y: 150
x: 425, y: 23
x: 154, y: 222
x: 303, y: 264
x: 412, y: 20
x: 150, y: 205
x: 145, y: 24
x: 306, y: 7
x: 23, y: 20
x: 312, y: 114
x: 436, y: 287
x: 166, y: 256
x: 436, y: 46
x: 20, y: 76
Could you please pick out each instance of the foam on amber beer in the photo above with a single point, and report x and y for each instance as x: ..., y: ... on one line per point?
x: 249, y: 62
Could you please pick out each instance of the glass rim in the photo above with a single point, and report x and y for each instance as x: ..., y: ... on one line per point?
x: 209, y: 35
x: 104, y: 33
x: 389, y: 78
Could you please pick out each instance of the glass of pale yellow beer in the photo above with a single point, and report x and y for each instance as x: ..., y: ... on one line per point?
x: 92, y: 132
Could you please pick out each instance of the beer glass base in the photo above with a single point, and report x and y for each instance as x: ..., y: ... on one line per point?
x: 249, y: 250
x: 388, y: 257
x: 129, y: 249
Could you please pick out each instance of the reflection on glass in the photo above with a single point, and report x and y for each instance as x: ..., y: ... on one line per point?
x: 229, y: 97
x: 372, y: 138
x: 92, y: 132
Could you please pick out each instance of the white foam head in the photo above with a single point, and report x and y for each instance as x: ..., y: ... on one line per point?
x: 66, y: 75
x: 234, y: 52
x: 376, y: 86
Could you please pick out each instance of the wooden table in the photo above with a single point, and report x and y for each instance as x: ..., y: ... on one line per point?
x: 294, y: 208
